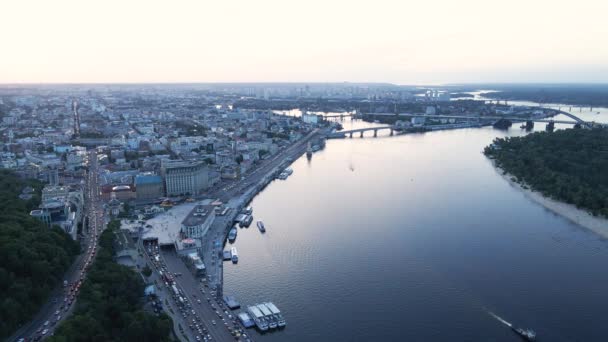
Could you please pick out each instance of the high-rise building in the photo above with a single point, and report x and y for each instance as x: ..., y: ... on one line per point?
x: 185, y: 178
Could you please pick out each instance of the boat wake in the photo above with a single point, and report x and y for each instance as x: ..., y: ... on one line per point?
x: 526, y: 334
x: 500, y: 319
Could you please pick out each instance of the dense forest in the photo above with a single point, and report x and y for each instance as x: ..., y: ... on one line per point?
x: 583, y: 95
x: 568, y: 165
x: 33, y: 257
x: 109, y: 305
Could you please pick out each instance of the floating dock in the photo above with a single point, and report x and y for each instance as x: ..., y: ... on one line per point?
x: 231, y: 302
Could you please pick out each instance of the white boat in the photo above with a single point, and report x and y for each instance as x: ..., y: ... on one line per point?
x: 258, y: 317
x: 234, y: 255
x: 261, y: 226
x: 268, y: 316
x: 277, y: 314
x: 248, y: 210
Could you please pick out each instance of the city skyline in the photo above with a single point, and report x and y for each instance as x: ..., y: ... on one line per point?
x: 270, y: 41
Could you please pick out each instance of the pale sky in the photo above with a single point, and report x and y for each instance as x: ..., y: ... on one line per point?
x: 403, y: 42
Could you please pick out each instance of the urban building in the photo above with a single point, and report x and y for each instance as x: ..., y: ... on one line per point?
x: 187, y: 246
x: 60, y: 206
x: 185, y: 178
x: 198, y: 221
x: 148, y: 187
x: 310, y: 118
x: 123, y: 193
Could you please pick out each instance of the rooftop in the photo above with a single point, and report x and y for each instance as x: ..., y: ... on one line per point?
x: 148, y: 179
x: 198, y: 215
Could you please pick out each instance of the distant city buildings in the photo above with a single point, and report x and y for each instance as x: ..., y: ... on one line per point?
x: 161, y: 145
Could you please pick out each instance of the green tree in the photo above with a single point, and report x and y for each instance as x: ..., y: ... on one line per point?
x: 146, y: 271
x: 33, y: 257
x: 568, y: 165
x: 109, y: 306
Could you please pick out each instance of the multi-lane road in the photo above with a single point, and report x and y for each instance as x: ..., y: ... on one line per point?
x: 61, y: 302
x: 195, y: 310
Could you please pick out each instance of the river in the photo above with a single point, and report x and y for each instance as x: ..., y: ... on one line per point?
x: 414, y: 238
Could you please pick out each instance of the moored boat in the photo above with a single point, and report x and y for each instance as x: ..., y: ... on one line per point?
x: 232, y: 234
x: 234, y: 254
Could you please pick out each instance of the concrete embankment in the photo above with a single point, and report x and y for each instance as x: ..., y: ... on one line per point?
x: 583, y: 218
x: 248, y: 196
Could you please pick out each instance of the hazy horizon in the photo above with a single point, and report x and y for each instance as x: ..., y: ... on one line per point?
x: 441, y: 42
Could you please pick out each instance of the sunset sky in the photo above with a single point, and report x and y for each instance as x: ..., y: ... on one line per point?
x: 403, y: 42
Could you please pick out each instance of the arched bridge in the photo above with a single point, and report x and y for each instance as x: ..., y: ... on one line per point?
x: 574, y: 117
x: 514, y: 117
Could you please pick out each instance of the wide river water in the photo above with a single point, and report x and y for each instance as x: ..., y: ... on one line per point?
x: 415, y: 238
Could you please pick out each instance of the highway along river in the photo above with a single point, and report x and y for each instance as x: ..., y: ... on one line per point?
x: 416, y: 238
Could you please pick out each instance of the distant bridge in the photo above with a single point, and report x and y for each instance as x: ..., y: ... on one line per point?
x: 495, y: 117
x: 472, y: 117
x: 342, y: 134
x: 511, y: 118
x: 361, y: 131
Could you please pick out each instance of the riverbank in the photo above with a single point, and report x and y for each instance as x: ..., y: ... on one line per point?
x: 581, y: 217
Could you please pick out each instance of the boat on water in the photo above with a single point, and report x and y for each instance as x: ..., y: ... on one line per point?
x: 234, y: 255
x: 289, y: 171
x: 248, y: 211
x: 232, y: 235
x: 258, y: 317
x: 280, y: 321
x: 261, y: 226
x: 526, y: 334
x: 246, y: 221
x: 266, y: 316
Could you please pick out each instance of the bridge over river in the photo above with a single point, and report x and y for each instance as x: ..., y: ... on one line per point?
x: 515, y: 117
x: 470, y: 118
